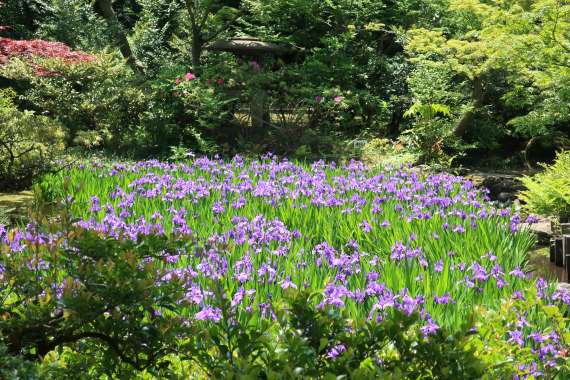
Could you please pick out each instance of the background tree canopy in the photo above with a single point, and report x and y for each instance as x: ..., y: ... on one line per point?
x: 501, y: 70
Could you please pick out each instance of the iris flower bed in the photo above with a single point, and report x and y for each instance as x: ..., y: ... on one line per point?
x: 367, y: 242
x: 370, y: 240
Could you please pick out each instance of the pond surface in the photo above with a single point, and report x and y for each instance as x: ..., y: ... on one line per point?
x: 16, y: 204
x: 541, y: 266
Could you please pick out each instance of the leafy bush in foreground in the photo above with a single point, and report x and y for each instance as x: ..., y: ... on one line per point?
x: 520, y: 336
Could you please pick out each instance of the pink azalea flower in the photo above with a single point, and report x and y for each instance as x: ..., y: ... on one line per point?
x: 189, y: 76
x: 338, y: 99
x: 255, y: 66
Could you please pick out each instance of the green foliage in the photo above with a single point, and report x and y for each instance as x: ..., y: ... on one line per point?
x: 104, y: 104
x: 207, y: 104
x: 100, y: 298
x: 382, y: 152
x: 19, y: 16
x: 16, y: 367
x: 508, y: 359
x: 551, y: 111
x: 501, y: 70
x: 65, y: 21
x: 29, y: 143
x: 427, y: 112
x: 154, y: 34
x: 101, y: 96
x: 431, y: 136
x: 548, y: 192
x: 505, y: 59
x: 305, y: 342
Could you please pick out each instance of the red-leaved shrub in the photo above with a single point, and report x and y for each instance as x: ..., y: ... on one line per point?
x: 39, y: 48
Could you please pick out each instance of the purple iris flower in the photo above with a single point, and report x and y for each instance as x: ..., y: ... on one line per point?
x: 209, y: 313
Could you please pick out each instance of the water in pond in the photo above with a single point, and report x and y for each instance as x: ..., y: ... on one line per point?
x: 541, y: 266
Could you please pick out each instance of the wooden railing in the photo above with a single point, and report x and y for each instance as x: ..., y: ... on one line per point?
x: 560, y: 247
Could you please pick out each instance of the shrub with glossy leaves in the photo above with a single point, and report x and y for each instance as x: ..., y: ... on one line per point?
x: 527, y: 337
x: 63, y: 287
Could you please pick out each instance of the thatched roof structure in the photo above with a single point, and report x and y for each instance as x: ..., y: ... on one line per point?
x: 249, y: 46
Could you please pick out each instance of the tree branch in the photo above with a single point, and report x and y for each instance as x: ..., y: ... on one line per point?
x: 223, y: 28
x: 190, y: 8
x: 562, y: 45
x: 205, y: 15
x: 124, y: 46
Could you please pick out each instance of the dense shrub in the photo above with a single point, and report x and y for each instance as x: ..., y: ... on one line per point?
x: 526, y: 337
x: 104, y: 104
x: 16, y: 367
x: 99, y: 96
x: 30, y: 144
x: 307, y: 342
x: 68, y: 287
x: 548, y: 192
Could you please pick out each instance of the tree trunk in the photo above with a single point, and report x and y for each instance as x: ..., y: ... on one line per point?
x: 395, y: 120
x: 121, y: 38
x: 197, y: 48
x: 527, y: 148
x: 467, y: 119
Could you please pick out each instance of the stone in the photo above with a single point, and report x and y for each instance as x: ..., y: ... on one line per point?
x: 505, y: 197
x: 503, y: 187
x: 542, y: 229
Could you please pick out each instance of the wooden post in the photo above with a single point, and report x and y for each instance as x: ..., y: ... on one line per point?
x: 568, y: 268
x: 559, y: 258
x: 258, y: 110
x: 566, y: 245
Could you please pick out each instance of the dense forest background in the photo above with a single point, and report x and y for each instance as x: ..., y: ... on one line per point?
x: 476, y: 82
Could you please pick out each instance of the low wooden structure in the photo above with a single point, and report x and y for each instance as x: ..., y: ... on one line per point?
x: 258, y: 51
